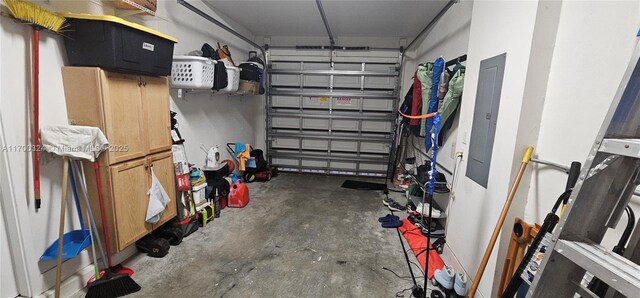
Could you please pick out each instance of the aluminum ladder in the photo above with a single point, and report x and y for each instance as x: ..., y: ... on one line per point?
x: 607, y: 181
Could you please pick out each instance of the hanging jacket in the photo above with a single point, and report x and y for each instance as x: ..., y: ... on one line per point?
x: 405, y: 108
x: 425, y: 74
x: 416, y: 102
x: 452, y: 99
x: 438, y: 67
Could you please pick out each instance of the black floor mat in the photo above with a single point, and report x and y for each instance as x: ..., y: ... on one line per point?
x: 361, y: 185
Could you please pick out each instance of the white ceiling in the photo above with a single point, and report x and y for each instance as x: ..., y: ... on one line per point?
x: 368, y: 18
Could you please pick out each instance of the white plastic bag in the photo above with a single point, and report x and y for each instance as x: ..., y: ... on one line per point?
x: 158, y: 200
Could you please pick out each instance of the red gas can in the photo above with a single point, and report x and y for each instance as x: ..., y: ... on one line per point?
x: 238, y: 195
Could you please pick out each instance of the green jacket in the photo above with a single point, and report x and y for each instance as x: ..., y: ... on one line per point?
x: 452, y: 98
x: 425, y: 75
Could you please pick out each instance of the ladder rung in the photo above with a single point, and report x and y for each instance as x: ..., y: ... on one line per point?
x: 616, y: 271
x: 625, y: 147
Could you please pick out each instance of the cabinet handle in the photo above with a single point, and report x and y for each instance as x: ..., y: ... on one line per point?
x: 139, y: 83
x: 144, y: 83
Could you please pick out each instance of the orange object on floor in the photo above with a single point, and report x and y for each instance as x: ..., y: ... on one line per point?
x: 238, y: 195
x: 417, y: 242
x: 243, y: 157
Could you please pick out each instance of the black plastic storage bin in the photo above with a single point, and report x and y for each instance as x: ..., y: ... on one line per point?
x: 115, y: 44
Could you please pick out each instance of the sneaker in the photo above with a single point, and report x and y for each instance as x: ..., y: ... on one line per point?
x: 387, y: 218
x: 435, y: 213
x: 444, y: 277
x: 395, y: 206
x: 460, y: 285
x: 386, y: 200
x: 394, y: 223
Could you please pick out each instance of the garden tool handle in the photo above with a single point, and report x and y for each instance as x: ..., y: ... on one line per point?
x: 503, y: 215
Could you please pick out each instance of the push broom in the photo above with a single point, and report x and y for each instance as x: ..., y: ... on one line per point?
x: 110, y: 284
x: 39, y: 18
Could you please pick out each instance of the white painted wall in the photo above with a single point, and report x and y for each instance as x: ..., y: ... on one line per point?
x: 496, y: 27
x: 8, y: 287
x: 203, y: 118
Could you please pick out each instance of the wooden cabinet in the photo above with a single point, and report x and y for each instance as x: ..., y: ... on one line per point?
x: 123, y: 116
x: 130, y: 184
x: 133, y: 113
x: 156, y: 115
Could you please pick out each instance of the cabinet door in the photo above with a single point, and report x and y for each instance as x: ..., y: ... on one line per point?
x: 155, y: 105
x: 162, y: 164
x: 130, y: 183
x: 124, y: 120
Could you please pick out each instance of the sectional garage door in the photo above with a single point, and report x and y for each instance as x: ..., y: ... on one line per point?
x: 331, y: 112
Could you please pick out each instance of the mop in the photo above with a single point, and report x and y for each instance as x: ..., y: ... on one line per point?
x: 82, y: 142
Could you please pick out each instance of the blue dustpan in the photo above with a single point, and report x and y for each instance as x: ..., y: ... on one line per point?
x: 72, y: 242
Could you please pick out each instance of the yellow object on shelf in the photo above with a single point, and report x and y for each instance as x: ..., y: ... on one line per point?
x: 114, y: 19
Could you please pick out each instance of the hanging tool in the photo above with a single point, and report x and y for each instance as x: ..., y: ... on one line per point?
x: 39, y: 18
x: 503, y: 215
x: 63, y: 204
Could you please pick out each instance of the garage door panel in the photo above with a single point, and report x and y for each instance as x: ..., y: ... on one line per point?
x: 315, y: 102
x: 373, y: 167
x: 285, y: 122
x: 351, y: 125
x: 314, y: 163
x: 292, y: 143
x: 377, y: 105
x: 374, y: 147
x: 285, y: 101
x: 286, y: 80
x: 284, y: 161
x: 343, y: 165
x: 332, y: 118
x: 376, y: 126
x: 315, y: 144
x: 344, y: 146
x: 320, y: 124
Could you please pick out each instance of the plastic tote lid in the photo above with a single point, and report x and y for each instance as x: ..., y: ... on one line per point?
x: 114, y: 19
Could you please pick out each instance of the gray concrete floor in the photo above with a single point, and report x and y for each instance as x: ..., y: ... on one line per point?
x: 300, y: 236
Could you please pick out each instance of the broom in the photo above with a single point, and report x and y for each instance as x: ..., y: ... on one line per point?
x: 39, y: 18
x: 110, y: 284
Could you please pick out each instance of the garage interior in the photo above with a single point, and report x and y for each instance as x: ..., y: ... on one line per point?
x: 312, y: 148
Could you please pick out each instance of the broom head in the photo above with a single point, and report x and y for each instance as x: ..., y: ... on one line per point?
x: 34, y: 14
x: 112, y: 285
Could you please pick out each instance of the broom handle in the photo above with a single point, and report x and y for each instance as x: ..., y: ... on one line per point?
x: 496, y: 230
x: 92, y: 219
x: 93, y: 246
x: 103, y: 216
x: 36, y: 115
x: 63, y: 204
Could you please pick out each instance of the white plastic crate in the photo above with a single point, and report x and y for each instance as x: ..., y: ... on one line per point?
x: 192, y: 72
x: 199, y: 197
x: 233, y: 79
